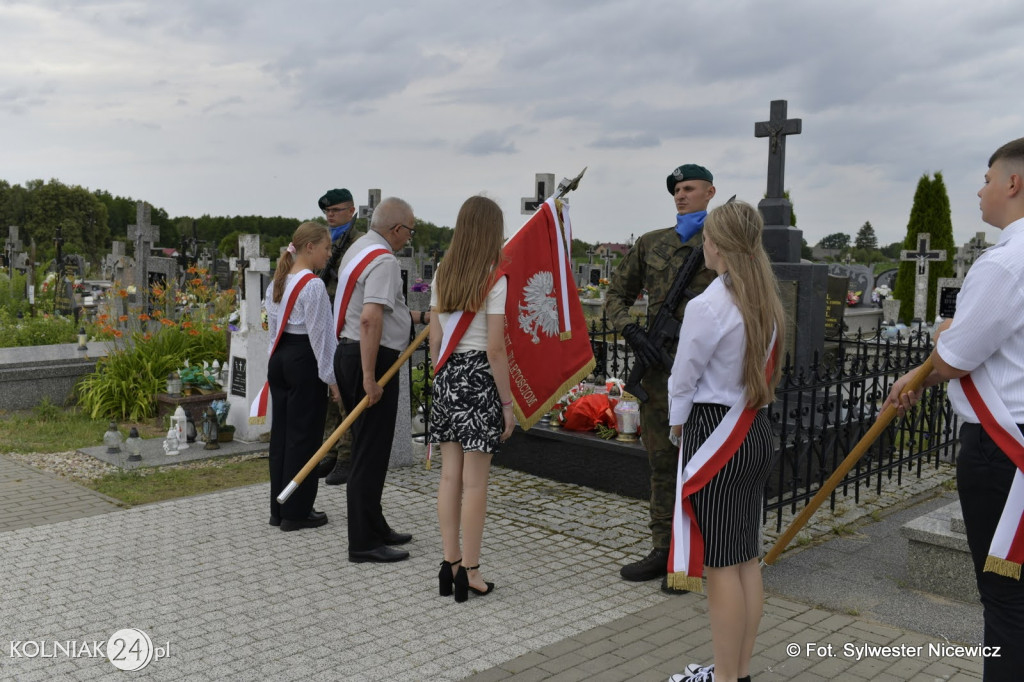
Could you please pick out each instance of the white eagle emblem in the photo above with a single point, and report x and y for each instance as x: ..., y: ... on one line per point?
x: 541, y: 308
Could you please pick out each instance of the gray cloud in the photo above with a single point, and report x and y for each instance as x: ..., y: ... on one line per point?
x: 489, y: 142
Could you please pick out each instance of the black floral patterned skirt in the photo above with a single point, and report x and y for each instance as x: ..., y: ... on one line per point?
x: 466, y: 408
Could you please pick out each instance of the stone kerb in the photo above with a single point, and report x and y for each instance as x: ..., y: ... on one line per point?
x: 31, y: 373
x: 938, y: 558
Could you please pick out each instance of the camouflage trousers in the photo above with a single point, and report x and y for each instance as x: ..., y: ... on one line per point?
x: 661, y: 455
x: 343, y: 448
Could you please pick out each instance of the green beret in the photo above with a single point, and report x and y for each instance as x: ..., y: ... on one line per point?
x: 334, y: 196
x: 688, y: 171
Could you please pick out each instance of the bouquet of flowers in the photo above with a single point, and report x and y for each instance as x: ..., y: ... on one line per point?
x: 853, y: 297
x: 880, y: 293
x: 574, y: 394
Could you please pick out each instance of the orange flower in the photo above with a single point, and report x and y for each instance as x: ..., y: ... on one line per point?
x: 118, y: 333
x: 192, y: 270
x: 102, y: 318
x: 214, y: 327
x: 122, y: 318
x: 123, y: 293
x: 193, y: 332
x: 186, y: 325
x: 157, y: 314
x: 144, y: 317
x: 147, y: 336
x: 166, y: 322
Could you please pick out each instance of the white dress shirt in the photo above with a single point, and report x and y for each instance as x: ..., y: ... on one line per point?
x: 381, y: 283
x: 988, y: 328
x: 311, y: 315
x: 709, y: 359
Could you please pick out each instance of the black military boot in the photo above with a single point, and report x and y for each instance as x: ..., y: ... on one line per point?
x: 654, y: 565
x: 326, y: 465
x: 339, y: 474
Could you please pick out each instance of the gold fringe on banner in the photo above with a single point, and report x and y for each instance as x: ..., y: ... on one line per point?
x: 525, y: 423
x: 257, y: 421
x: 680, y: 581
x: 999, y: 566
x: 565, y: 336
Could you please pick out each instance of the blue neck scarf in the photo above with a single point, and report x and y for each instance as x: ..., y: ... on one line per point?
x: 689, y: 224
x: 336, y: 232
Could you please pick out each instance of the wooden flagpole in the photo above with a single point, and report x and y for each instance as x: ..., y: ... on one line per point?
x: 837, y: 476
x: 352, y: 416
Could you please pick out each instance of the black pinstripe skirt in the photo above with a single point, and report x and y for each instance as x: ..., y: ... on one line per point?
x: 728, y: 508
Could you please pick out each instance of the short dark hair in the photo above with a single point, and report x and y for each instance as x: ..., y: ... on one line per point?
x: 1011, y: 151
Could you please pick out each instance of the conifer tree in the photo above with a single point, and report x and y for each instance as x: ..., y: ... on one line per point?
x: 930, y: 213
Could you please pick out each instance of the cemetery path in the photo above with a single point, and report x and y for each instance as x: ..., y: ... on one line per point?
x: 223, y: 595
x: 30, y: 497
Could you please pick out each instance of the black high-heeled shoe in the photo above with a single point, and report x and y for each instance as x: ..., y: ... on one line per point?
x: 460, y: 584
x: 445, y: 578
x: 490, y: 586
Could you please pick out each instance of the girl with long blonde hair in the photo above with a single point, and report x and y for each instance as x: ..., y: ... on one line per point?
x: 727, y: 362
x: 472, y: 404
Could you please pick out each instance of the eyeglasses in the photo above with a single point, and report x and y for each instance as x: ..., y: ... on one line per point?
x: 412, y: 232
x: 330, y: 211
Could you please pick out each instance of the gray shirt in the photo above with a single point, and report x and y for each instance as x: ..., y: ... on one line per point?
x: 380, y: 282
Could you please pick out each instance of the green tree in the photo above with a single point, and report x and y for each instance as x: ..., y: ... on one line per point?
x: 836, y: 240
x: 892, y: 251
x: 81, y: 217
x: 866, y: 238
x: 930, y: 213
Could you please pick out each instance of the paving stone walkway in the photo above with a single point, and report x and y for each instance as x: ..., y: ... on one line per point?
x: 226, y: 596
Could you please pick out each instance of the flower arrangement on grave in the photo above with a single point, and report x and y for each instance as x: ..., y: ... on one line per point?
x: 852, y: 297
x: 589, y: 292
x: 203, y: 377
x: 557, y: 413
x: 226, y: 431
x: 603, y: 283
x: 420, y: 285
x: 880, y: 293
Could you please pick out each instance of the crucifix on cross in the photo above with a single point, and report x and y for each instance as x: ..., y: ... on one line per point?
x: 776, y: 128
x: 922, y: 257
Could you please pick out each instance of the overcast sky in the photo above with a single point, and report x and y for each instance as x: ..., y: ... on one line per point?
x: 233, y: 107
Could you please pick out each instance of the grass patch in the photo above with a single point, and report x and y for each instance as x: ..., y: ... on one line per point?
x: 50, y: 428
x: 145, y: 486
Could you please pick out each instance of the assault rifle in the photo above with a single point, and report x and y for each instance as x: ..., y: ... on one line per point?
x: 337, y: 249
x: 665, y: 327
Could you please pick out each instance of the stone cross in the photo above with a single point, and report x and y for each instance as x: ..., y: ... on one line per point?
x: 976, y: 246
x: 545, y: 183
x: 590, y: 254
x: 961, y: 261
x: 372, y: 202
x: 780, y: 240
x: 13, y: 247
x: 143, y: 235
x: 776, y: 128
x: 608, y: 256
x: 922, y: 256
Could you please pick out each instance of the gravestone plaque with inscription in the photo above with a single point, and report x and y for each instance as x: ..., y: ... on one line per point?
x: 835, y: 305
x: 948, y: 288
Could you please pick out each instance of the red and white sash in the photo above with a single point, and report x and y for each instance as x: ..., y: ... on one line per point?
x: 1006, y: 553
x: 454, y: 329
x: 347, y: 279
x: 258, y: 409
x: 686, y: 551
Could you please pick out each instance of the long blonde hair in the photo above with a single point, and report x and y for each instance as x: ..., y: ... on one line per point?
x: 306, y: 233
x: 736, y: 229
x: 464, y: 276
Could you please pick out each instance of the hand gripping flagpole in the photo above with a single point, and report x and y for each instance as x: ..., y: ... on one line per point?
x: 352, y: 416
x: 844, y: 468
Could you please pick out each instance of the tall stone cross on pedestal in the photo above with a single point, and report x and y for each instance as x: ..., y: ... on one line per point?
x: 922, y: 257
x: 783, y: 243
x: 545, y: 183
x: 143, y: 235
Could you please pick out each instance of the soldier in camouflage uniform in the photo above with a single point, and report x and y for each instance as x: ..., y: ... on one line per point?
x: 340, y: 210
x: 652, y: 265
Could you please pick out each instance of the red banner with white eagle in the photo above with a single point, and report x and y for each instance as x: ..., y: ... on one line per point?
x: 545, y: 333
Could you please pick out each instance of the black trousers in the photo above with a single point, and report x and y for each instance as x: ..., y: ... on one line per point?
x: 298, y: 409
x: 372, y: 435
x: 984, y: 475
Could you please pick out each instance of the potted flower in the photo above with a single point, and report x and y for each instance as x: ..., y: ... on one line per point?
x: 880, y: 293
x: 199, y: 378
x: 225, y: 431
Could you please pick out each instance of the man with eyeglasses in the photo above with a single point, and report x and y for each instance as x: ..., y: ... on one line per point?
x: 340, y: 210
x: 375, y: 324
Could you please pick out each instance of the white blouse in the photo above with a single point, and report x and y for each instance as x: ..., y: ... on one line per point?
x: 709, y: 359
x: 311, y: 315
x: 475, y: 337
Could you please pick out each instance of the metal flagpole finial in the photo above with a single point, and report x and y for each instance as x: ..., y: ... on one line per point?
x: 567, y: 185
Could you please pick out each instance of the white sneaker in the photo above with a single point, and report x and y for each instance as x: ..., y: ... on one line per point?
x: 698, y: 673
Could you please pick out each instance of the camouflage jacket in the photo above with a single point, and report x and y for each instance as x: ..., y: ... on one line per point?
x: 333, y: 265
x: 652, y: 265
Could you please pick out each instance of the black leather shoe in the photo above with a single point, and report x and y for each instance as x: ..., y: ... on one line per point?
x: 378, y: 555
x: 652, y: 566
x: 393, y: 538
x: 339, y: 474
x: 326, y: 465
x: 275, y: 520
x: 314, y: 519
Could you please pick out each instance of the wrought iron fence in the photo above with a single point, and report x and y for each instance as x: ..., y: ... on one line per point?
x: 821, y: 411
